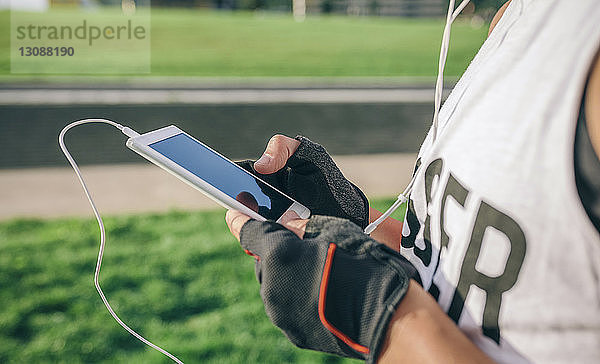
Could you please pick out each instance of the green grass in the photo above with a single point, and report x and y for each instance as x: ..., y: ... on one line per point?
x: 217, y: 44
x: 179, y: 278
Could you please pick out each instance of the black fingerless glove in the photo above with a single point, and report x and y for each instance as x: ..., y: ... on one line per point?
x: 333, y: 291
x: 312, y: 178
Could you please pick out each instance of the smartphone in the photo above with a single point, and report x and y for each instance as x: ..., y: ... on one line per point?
x: 216, y: 176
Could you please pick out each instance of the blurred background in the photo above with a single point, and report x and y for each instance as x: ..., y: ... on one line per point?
x: 354, y: 75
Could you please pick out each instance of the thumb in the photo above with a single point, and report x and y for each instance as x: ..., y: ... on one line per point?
x: 279, y: 149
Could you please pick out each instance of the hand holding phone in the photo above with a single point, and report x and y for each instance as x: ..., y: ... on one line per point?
x: 305, y: 171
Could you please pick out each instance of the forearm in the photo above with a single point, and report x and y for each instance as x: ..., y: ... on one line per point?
x: 420, y: 332
x: 389, y: 232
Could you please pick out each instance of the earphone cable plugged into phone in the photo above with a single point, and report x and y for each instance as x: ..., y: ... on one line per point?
x: 130, y: 133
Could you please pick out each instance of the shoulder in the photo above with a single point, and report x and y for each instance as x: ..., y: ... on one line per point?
x: 498, y: 15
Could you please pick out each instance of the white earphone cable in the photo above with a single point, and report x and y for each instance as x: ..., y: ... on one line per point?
x: 439, y: 88
x: 129, y: 132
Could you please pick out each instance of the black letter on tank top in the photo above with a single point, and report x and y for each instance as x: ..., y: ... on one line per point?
x: 413, y: 226
x: 487, y: 216
x: 411, y: 219
x: 456, y: 190
x: 433, y: 169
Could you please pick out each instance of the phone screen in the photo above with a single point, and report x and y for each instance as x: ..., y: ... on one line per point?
x: 224, y: 175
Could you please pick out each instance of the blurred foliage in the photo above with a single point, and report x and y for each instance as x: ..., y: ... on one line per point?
x: 286, y: 5
x: 180, y: 279
x: 483, y: 4
x: 197, y: 42
x: 486, y: 9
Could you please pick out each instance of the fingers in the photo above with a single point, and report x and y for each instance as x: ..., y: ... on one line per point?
x: 279, y: 149
x: 248, y: 200
x: 288, y: 216
x: 235, y: 220
x: 294, y: 223
x: 297, y: 226
x: 290, y: 220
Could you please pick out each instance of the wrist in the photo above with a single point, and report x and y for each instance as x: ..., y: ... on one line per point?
x: 420, y: 332
x: 389, y: 232
x: 403, y: 326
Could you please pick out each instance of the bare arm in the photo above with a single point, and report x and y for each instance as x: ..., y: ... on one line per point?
x: 420, y: 332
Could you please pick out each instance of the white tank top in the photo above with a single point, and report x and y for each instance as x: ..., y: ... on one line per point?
x: 496, y: 227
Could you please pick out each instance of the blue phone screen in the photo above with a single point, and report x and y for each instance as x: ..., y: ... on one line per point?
x: 223, y: 175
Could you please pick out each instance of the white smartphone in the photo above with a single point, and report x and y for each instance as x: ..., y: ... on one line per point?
x: 216, y: 176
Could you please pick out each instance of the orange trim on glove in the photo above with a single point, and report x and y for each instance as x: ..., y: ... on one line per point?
x: 322, y: 295
x: 252, y: 254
